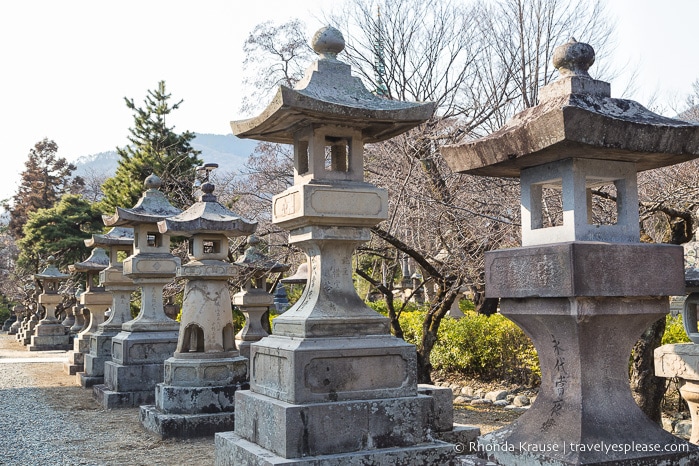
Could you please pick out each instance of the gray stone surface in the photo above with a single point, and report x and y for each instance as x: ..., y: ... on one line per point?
x: 585, y: 269
x: 585, y: 302
x: 232, y: 450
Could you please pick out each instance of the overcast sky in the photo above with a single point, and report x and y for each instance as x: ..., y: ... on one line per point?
x: 66, y: 65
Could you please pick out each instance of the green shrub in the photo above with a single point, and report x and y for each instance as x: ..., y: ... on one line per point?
x: 488, y: 348
x: 674, y: 331
x: 4, y: 314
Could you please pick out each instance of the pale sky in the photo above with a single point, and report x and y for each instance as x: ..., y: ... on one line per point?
x: 67, y: 65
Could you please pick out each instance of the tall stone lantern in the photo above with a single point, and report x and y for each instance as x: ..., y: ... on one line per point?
x: 119, y: 242
x: 49, y: 333
x: 95, y: 300
x: 144, y: 343
x: 331, y: 385
x: 584, y: 290
x: 197, y: 395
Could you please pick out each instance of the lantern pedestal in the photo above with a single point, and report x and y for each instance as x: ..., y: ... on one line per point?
x: 584, y: 305
x: 49, y: 333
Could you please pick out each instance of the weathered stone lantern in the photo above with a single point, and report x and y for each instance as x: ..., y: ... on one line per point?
x: 119, y: 242
x: 49, y: 333
x: 95, y: 300
x: 139, y: 350
x: 78, y: 317
x: 197, y: 395
x: 253, y: 299
x: 20, y: 311
x: 583, y: 290
x: 331, y: 385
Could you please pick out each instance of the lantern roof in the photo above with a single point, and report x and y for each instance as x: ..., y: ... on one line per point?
x: 51, y: 272
x: 577, y: 117
x: 207, y: 216
x: 114, y: 237
x: 254, y: 259
x: 97, y: 261
x: 152, y: 207
x: 329, y: 94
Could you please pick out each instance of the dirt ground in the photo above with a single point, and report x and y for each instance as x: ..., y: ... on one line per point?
x: 130, y: 444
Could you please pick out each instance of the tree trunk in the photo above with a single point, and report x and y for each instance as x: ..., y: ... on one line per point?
x: 647, y: 389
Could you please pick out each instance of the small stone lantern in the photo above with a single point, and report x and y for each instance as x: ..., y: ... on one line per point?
x: 253, y: 299
x: 331, y: 385
x: 197, y: 395
x: 49, y: 333
x: 139, y: 350
x: 20, y: 311
x: 119, y: 242
x: 586, y: 289
x: 95, y: 300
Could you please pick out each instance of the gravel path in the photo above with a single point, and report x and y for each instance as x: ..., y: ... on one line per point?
x: 47, y: 419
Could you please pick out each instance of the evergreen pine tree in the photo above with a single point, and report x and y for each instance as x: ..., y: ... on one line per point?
x: 59, y: 231
x: 45, y: 179
x: 155, y: 148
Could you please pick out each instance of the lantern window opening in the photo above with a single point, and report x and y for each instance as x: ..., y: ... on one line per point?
x: 193, y: 341
x: 337, y: 154
x: 93, y: 280
x: 602, y: 201
x: 228, y: 337
x: 211, y: 246
x: 547, y: 204
x: 152, y: 239
x: 190, y: 246
x: 121, y: 255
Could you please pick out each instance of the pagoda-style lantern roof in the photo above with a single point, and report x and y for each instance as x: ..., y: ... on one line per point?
x: 253, y: 259
x: 51, y: 272
x: 50, y: 277
x: 152, y: 207
x: 97, y: 262
x: 207, y: 216
x: 300, y: 276
x: 329, y: 95
x: 117, y: 236
x: 577, y: 117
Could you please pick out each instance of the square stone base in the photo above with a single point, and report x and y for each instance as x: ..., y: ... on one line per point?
x: 49, y: 343
x: 185, y: 425
x: 94, y: 365
x: 87, y: 381
x: 232, y: 450
x: 295, y: 431
x: 110, y: 399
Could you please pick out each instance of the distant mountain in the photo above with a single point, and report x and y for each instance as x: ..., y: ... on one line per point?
x: 228, y: 151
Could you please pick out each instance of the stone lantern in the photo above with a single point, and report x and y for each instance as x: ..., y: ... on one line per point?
x: 144, y: 343
x: 95, y: 300
x: 331, y: 385
x: 583, y: 290
x: 14, y: 316
x: 20, y: 311
x: 77, y: 312
x: 253, y: 300
x: 197, y: 395
x: 119, y: 242
x: 49, y: 333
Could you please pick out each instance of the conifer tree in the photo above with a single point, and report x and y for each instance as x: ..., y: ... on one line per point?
x: 155, y: 148
x: 45, y: 179
x: 59, y: 231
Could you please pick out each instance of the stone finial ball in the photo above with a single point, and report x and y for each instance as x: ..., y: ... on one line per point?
x: 207, y: 188
x: 573, y: 58
x: 153, y: 181
x: 328, y: 42
x: 51, y: 259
